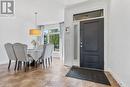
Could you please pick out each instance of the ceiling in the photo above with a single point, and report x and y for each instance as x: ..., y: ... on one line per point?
x: 69, y: 2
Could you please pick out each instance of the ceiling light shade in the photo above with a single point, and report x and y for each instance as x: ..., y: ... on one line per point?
x: 35, y: 32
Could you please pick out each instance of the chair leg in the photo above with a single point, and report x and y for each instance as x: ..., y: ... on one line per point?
x: 28, y: 64
x: 49, y: 61
x: 46, y: 63
x: 9, y: 64
x: 18, y: 65
x: 36, y: 63
x: 15, y: 65
x: 25, y: 65
x: 43, y: 62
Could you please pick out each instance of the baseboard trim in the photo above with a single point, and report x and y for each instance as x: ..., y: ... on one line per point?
x: 116, y: 77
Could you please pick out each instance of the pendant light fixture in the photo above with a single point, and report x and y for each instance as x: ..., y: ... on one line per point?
x: 35, y: 31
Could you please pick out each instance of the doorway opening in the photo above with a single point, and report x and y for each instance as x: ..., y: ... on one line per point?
x: 89, y: 36
x: 52, y: 34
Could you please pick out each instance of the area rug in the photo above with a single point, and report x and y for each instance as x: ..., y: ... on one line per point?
x: 88, y: 74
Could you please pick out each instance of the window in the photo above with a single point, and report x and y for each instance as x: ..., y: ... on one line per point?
x: 54, y: 30
x: 87, y: 15
x: 52, y: 36
x: 54, y: 39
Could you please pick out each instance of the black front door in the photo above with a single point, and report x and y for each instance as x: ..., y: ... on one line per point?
x: 92, y: 43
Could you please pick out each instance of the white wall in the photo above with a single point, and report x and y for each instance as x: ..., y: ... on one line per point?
x: 89, y: 5
x: 119, y: 41
x: 16, y: 28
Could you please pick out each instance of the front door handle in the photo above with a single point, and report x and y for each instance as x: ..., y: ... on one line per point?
x: 81, y: 44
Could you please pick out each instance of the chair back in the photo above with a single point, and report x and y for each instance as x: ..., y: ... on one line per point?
x: 10, y: 51
x: 42, y: 50
x: 51, y: 49
x: 47, y: 50
x: 20, y: 51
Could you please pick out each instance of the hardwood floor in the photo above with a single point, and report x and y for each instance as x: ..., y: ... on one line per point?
x: 53, y: 76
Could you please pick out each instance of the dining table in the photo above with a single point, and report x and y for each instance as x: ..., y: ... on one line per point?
x: 35, y: 53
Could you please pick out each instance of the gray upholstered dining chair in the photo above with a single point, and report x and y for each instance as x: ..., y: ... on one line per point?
x: 11, y: 55
x: 21, y: 54
x: 52, y: 49
x: 40, y: 48
x: 47, y: 53
x: 50, y: 52
x: 43, y: 55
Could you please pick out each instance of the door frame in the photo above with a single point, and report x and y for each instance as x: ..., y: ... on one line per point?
x: 100, y: 43
x: 78, y: 40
